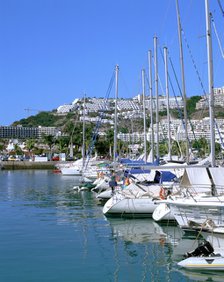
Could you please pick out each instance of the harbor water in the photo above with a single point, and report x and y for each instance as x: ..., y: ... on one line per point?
x: 50, y: 232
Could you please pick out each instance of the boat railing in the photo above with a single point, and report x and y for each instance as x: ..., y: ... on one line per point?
x: 197, y: 188
x: 198, y: 192
x: 219, y: 190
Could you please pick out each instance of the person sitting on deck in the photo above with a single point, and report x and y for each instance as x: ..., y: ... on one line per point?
x: 113, y: 182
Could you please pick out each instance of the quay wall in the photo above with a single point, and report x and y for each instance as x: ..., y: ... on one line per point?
x: 8, y: 165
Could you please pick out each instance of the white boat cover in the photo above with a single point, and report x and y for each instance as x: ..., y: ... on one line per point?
x: 196, y: 178
x: 217, y: 174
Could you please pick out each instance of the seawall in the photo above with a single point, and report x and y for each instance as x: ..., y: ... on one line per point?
x: 28, y: 165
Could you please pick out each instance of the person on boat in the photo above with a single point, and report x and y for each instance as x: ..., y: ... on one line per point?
x: 127, y: 181
x: 204, y: 249
x: 113, y: 182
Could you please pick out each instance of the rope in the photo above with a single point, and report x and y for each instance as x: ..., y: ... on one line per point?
x: 220, y: 6
x: 217, y: 36
x: 96, y: 130
x: 202, y: 86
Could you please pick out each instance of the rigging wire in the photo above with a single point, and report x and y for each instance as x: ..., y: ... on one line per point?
x: 217, y: 36
x: 178, y: 106
x: 154, y: 102
x: 179, y: 110
x: 101, y: 115
x: 202, y: 86
x: 220, y: 6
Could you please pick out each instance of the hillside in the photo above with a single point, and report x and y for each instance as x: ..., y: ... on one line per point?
x: 46, y: 119
x: 61, y: 121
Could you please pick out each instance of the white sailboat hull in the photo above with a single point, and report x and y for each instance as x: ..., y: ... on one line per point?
x: 134, y: 207
x: 206, y: 263
x: 71, y: 171
x: 190, y: 213
x: 105, y: 195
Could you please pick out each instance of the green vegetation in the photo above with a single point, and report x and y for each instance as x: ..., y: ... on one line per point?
x: 191, y: 104
x: 71, y: 128
x: 41, y: 119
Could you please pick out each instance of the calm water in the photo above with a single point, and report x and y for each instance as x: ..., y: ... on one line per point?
x: 48, y: 232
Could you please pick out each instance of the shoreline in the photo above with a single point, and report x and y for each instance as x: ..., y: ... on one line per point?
x: 13, y: 165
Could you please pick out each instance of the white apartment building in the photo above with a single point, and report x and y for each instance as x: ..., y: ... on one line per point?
x: 218, y: 99
x: 123, y: 105
x: 201, y: 129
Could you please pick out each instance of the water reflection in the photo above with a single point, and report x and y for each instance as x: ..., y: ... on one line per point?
x: 208, y: 276
x: 146, y: 241
x: 144, y: 230
x: 172, y: 241
x: 46, y: 193
x: 33, y: 184
x: 75, y: 235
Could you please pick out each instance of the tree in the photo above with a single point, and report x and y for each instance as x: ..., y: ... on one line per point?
x: 62, y: 143
x: 163, y: 148
x: 30, y: 144
x: 191, y: 104
x: 101, y: 147
x: 218, y: 150
x: 2, y: 147
x: 50, y: 141
x: 175, y: 150
x: 18, y: 150
x: 110, y: 140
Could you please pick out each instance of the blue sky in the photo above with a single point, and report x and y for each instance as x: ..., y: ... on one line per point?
x: 53, y: 51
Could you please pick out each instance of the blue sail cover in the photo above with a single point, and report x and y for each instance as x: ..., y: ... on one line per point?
x: 165, y: 176
x: 130, y: 162
x: 168, y: 176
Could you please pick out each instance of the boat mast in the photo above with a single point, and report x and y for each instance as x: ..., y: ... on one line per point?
x: 157, y: 97
x: 115, y: 113
x: 210, y: 81
x: 144, y: 113
x: 183, y: 80
x: 168, y: 103
x: 151, y: 103
x: 83, y: 131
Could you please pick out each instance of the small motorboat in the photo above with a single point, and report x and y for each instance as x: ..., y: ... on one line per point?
x: 203, y: 257
x: 214, y: 262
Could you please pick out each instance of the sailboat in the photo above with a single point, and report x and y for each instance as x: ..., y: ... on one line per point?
x: 139, y: 199
x: 203, y: 211
x: 73, y: 169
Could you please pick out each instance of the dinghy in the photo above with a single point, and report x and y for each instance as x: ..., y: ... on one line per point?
x: 203, y: 257
x: 206, y: 263
x: 160, y: 213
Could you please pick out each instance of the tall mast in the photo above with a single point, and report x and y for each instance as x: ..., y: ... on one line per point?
x: 83, y: 131
x: 157, y: 97
x: 115, y: 113
x: 168, y: 103
x: 151, y: 103
x: 210, y: 81
x: 183, y: 80
x: 144, y: 113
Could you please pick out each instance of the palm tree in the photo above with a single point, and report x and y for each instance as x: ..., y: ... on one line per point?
x: 50, y: 141
x: 62, y: 143
x: 110, y: 139
x: 30, y: 144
